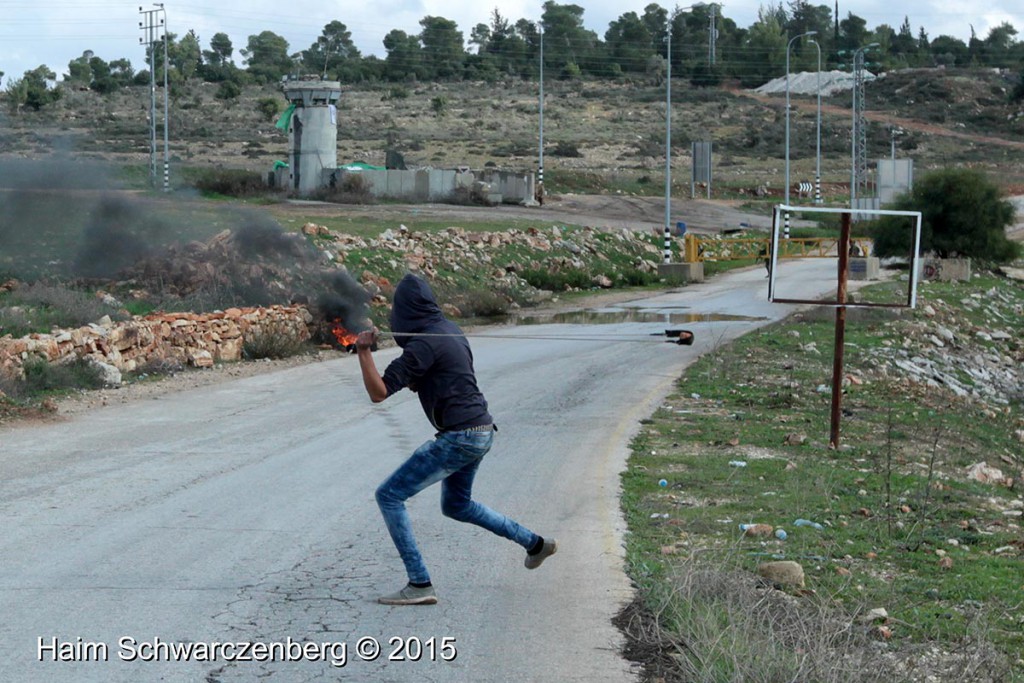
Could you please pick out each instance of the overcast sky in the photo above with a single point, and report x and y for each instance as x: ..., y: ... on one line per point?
x: 53, y: 32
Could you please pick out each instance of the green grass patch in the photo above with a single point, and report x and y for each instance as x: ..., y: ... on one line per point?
x: 904, y: 528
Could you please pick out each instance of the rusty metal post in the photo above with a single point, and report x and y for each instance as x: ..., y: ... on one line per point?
x: 837, y: 362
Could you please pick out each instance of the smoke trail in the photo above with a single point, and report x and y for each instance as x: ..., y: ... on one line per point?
x: 345, y: 300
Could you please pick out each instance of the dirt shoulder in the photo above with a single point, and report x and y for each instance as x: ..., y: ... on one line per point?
x: 599, y: 211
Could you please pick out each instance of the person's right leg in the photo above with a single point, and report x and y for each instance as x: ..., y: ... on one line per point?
x: 423, y: 468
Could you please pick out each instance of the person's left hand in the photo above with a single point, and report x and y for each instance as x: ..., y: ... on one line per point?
x: 366, y: 339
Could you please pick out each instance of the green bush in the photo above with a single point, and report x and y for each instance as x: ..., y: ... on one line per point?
x: 269, y: 107
x: 963, y: 214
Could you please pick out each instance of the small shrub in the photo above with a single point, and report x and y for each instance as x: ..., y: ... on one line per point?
x: 231, y: 183
x: 566, y: 149
x: 273, y: 339
x: 557, y: 281
x: 40, y: 307
x: 439, y: 105
x: 228, y: 90
x: 42, y: 376
x: 160, y: 366
x: 480, y: 303
x: 269, y: 107
x: 468, y: 196
x: 352, y: 188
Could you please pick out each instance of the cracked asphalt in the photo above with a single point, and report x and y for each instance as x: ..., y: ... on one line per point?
x: 244, y: 512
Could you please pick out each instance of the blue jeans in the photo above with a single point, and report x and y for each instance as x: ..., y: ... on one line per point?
x: 452, y: 458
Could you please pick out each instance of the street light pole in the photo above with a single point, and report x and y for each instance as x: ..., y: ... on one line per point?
x: 540, y: 151
x: 817, y: 148
x: 789, y: 45
x: 667, y: 256
x: 668, y: 132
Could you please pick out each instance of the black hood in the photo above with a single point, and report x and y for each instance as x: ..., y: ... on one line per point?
x: 414, y: 308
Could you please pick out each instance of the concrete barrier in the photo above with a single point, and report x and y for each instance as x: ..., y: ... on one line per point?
x: 682, y: 272
x: 436, y: 184
x: 945, y: 269
x: 864, y: 268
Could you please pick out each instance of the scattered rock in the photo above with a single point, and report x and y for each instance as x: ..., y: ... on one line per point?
x: 795, y: 439
x: 876, y: 614
x: 984, y: 473
x: 882, y: 632
x: 109, y: 374
x: 783, y: 573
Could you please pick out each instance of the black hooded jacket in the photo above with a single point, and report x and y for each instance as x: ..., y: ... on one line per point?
x: 439, y: 369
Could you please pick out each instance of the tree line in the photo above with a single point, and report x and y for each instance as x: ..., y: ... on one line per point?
x: 634, y: 45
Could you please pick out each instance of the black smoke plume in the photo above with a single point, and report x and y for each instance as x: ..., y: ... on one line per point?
x: 345, y: 300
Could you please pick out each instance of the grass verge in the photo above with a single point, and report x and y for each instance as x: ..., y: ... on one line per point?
x: 743, y: 439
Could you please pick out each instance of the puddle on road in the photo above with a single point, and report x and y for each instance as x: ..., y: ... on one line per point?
x: 627, y: 315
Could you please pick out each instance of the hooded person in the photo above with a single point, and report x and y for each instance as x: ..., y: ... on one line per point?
x: 437, y: 364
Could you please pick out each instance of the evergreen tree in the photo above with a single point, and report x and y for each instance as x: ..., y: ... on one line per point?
x: 963, y: 214
x: 443, y: 54
x: 267, y: 57
x: 333, y: 54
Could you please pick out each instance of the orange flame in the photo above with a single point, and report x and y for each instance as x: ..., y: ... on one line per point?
x: 344, y: 337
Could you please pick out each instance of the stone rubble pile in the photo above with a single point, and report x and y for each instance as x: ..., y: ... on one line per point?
x: 456, y: 249
x: 188, y: 338
x: 240, y: 261
x: 980, y: 361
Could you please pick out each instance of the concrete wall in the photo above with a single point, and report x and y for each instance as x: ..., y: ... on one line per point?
x: 435, y: 184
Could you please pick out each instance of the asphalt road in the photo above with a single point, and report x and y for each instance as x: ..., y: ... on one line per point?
x: 244, y: 512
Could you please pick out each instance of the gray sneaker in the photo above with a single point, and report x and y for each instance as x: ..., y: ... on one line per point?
x: 549, y: 549
x: 410, y: 595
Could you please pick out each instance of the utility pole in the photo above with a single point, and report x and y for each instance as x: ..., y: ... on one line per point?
x: 167, y: 109
x: 150, y: 26
x: 859, y: 135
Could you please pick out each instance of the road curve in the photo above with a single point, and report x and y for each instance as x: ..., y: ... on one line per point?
x: 244, y: 512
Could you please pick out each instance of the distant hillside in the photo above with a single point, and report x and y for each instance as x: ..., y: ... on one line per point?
x: 599, y: 135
